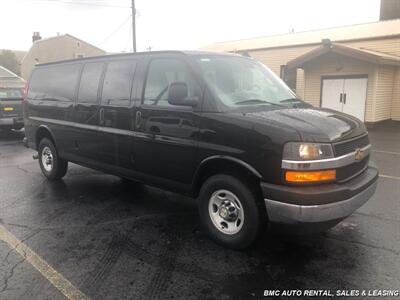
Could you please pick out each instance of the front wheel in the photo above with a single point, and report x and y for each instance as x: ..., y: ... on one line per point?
x: 230, y: 211
x: 52, y: 166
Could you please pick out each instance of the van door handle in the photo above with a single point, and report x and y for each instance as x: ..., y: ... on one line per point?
x: 344, y: 98
x: 101, y: 116
x: 341, y: 97
x: 138, y: 119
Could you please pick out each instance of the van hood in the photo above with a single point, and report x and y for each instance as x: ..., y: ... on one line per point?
x: 312, y: 124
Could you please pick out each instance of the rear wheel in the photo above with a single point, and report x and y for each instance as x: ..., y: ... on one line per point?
x: 230, y: 211
x: 52, y: 166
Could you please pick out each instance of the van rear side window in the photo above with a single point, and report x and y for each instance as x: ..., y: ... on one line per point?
x: 54, y: 82
x: 118, y: 83
x: 89, y: 84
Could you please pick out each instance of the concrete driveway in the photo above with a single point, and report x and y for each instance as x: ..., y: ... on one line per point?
x: 92, y: 235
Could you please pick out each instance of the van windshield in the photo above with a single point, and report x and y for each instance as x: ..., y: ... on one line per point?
x: 240, y: 81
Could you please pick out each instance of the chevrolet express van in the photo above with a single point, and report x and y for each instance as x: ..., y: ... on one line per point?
x: 219, y: 127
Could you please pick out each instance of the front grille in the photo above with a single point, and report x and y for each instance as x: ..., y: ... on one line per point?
x: 342, y: 148
x: 347, y: 172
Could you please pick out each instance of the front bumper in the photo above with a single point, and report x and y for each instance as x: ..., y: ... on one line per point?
x: 318, y: 204
x: 11, y: 121
x: 6, y: 121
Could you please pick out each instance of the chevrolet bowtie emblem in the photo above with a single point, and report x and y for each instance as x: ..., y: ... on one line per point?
x: 359, y: 154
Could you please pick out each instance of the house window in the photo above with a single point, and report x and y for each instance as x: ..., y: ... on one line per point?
x: 78, y: 44
x: 79, y: 55
x: 283, y: 72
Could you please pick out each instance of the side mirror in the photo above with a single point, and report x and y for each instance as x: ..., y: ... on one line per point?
x: 178, y: 95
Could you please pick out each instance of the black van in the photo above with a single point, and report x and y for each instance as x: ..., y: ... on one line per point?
x: 219, y: 127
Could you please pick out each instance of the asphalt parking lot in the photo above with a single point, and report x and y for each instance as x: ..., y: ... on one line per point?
x: 111, y: 240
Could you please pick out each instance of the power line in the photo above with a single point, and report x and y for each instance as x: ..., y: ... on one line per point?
x: 88, y: 4
x: 128, y: 40
x: 113, y: 32
x: 116, y: 30
x: 106, y: 2
x: 99, y: 4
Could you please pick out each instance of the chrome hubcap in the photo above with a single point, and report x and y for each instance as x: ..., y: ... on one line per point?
x: 226, y: 211
x: 47, y: 159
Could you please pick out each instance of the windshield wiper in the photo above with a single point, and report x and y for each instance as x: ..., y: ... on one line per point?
x: 258, y: 101
x: 291, y: 100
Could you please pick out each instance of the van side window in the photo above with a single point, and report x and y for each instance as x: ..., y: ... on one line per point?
x: 162, y: 72
x: 90, y: 82
x: 118, y: 83
x: 54, y: 82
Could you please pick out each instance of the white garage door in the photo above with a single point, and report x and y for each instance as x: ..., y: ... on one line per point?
x: 345, y: 95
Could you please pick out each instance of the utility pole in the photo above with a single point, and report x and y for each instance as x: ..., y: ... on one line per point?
x: 134, y: 25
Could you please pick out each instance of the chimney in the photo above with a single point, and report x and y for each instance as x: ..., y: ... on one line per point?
x: 36, y: 36
x: 390, y: 9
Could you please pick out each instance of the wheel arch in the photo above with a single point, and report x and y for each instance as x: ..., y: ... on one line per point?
x: 42, y: 132
x: 223, y: 164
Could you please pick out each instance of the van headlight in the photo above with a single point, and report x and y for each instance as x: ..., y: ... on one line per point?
x: 307, y: 151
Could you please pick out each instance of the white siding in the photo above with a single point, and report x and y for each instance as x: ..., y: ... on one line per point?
x: 396, y: 96
x: 300, y: 83
x: 275, y: 58
x: 383, y: 93
x: 388, y: 45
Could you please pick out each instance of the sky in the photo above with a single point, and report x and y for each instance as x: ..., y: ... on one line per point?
x: 172, y: 24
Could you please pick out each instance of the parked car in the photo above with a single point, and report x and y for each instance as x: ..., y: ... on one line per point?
x: 11, y: 96
x: 11, y: 108
x: 219, y: 127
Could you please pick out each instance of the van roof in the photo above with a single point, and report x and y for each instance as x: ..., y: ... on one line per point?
x: 185, y: 52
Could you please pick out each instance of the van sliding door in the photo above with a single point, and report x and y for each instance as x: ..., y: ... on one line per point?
x: 87, y: 111
x: 115, y: 113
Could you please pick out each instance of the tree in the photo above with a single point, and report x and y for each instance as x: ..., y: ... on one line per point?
x: 10, y: 61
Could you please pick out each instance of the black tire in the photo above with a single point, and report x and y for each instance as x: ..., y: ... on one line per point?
x: 59, y: 166
x: 254, y: 213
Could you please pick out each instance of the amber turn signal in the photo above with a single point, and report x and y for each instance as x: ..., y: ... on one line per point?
x: 308, y: 176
